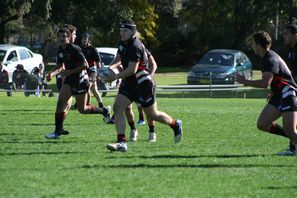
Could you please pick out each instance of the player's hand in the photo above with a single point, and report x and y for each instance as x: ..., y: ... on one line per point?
x: 48, y: 77
x: 239, y: 78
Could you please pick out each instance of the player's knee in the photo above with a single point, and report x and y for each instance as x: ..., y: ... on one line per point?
x: 118, y: 107
x: 81, y: 110
x: 262, y: 126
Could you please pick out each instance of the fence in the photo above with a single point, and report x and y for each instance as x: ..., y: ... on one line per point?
x: 183, y: 89
x: 197, y: 88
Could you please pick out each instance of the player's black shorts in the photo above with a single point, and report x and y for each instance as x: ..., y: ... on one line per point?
x: 286, y: 101
x: 78, y: 88
x: 144, y: 93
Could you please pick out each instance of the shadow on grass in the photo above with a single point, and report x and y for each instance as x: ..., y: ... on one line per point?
x: 13, y: 134
x: 279, y: 187
x: 32, y: 124
x: 37, y: 142
x: 191, y: 156
x: 27, y: 110
x: 40, y: 153
x: 206, y: 166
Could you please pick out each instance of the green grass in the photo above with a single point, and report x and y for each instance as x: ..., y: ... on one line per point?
x: 222, y: 153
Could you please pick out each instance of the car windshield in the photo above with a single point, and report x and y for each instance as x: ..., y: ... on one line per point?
x: 106, y: 58
x: 2, y: 55
x: 217, y: 58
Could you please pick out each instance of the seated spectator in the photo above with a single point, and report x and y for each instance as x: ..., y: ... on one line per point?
x: 4, y: 80
x: 31, y: 85
x: 42, y: 83
x: 19, y: 77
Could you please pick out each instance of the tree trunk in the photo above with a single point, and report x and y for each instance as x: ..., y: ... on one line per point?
x: 2, y: 32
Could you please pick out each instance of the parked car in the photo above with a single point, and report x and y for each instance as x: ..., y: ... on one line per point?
x: 107, y: 55
x: 12, y: 55
x: 218, y: 67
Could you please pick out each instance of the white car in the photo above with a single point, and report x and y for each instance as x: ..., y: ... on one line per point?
x: 107, y: 54
x: 11, y: 55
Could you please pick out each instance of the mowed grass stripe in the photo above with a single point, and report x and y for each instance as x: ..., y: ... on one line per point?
x: 222, y: 153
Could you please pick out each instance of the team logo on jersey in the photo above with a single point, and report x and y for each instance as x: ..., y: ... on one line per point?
x: 292, y: 55
x: 121, y: 48
x: 61, y: 55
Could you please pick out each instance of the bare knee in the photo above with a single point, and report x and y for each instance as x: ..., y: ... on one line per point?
x: 81, y: 110
x: 263, y: 126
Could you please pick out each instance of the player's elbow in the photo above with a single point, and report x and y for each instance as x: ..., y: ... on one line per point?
x: 265, y: 85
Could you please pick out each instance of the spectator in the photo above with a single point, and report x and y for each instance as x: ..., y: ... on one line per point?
x: 19, y: 77
x: 31, y: 85
x: 4, y: 80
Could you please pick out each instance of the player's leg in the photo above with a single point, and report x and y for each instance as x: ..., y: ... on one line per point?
x: 119, y: 107
x: 266, y: 122
x: 153, y: 113
x: 81, y: 96
x: 141, y: 114
x: 61, y: 112
x: 152, y: 133
x: 96, y: 94
x: 267, y: 118
x: 130, y: 119
x: 84, y: 108
x: 289, y: 125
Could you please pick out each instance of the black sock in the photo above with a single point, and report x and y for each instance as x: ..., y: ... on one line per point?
x: 132, y: 125
x: 100, y: 104
x: 292, y: 146
x: 152, y: 128
x: 59, y: 120
x: 121, y: 138
x: 277, y: 130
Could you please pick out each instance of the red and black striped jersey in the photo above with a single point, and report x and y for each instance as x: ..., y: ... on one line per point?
x: 282, y: 76
x: 91, y: 55
x: 72, y: 57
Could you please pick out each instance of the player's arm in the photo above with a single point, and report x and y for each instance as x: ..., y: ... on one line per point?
x: 130, y: 70
x: 116, y: 62
x: 265, y: 82
x: 84, y: 65
x: 98, y: 62
x: 152, y: 65
x: 59, y: 68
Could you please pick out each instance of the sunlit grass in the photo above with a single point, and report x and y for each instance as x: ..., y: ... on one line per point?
x: 222, y: 153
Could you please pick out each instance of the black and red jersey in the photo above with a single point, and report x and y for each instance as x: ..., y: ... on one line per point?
x: 72, y: 57
x: 282, y: 76
x: 134, y: 51
x: 292, y: 60
x: 91, y: 55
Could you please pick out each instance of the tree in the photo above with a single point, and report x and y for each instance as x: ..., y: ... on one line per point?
x: 13, y: 10
x: 102, y: 18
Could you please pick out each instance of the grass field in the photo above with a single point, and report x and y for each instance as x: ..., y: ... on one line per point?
x: 222, y: 153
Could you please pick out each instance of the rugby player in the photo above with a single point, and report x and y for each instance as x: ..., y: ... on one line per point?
x: 72, y: 65
x: 282, y: 102
x: 137, y: 85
